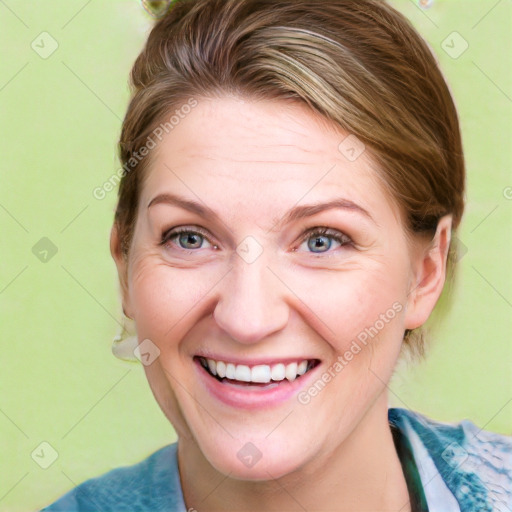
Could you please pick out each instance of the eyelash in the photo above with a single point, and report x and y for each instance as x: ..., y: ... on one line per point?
x: 168, y: 235
x: 338, y: 236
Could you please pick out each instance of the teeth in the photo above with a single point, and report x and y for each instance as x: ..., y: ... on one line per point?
x: 230, y: 371
x: 242, y: 373
x: 278, y: 371
x: 291, y: 371
x: 302, y: 368
x: 221, y: 368
x: 262, y: 373
x: 213, y: 367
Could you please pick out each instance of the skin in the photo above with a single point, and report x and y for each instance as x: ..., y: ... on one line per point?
x: 252, y: 162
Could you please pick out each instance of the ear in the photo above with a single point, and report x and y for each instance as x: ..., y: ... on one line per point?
x: 122, y: 268
x: 428, y: 276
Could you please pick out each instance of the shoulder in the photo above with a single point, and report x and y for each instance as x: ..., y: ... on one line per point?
x: 153, y: 485
x: 474, y: 464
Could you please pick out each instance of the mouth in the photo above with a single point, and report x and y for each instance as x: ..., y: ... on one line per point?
x: 259, y: 375
x: 256, y: 385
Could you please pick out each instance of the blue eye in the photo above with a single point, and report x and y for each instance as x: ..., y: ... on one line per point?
x: 322, y: 239
x: 194, y: 239
x: 186, y: 238
x: 319, y: 240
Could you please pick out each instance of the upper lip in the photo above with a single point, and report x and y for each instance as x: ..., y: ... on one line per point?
x: 257, y: 361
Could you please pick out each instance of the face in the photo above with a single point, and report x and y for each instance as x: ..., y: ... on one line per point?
x: 264, y: 255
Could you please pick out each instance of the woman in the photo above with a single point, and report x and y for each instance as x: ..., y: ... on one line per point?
x: 293, y: 177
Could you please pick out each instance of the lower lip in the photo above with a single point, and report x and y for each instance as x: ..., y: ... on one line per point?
x: 252, y: 397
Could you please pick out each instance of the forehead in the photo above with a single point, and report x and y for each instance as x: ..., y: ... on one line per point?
x: 238, y: 129
x: 246, y: 151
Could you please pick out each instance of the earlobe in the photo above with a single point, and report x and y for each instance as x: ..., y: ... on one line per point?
x: 429, y: 275
x: 122, y: 267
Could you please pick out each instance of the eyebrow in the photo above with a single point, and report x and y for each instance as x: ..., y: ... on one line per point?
x: 296, y: 213
x: 300, y: 212
x: 186, y: 204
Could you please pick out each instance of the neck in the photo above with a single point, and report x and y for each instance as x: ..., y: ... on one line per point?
x: 363, y: 473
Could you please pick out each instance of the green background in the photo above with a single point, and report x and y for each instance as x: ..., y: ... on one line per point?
x: 60, y: 118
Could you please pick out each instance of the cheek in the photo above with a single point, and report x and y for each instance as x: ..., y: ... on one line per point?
x: 364, y: 311
x: 353, y: 304
x: 165, y: 298
x: 372, y: 303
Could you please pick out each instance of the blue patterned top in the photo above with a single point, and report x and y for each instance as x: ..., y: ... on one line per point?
x: 448, y: 468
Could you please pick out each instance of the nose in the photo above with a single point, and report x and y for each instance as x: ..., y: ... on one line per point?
x: 252, y: 304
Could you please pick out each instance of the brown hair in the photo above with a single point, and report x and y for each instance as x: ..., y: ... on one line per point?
x: 359, y: 63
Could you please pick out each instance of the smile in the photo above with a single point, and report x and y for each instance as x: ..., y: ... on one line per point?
x: 257, y: 384
x: 257, y: 374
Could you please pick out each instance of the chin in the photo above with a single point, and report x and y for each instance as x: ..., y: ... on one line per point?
x: 253, y: 460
